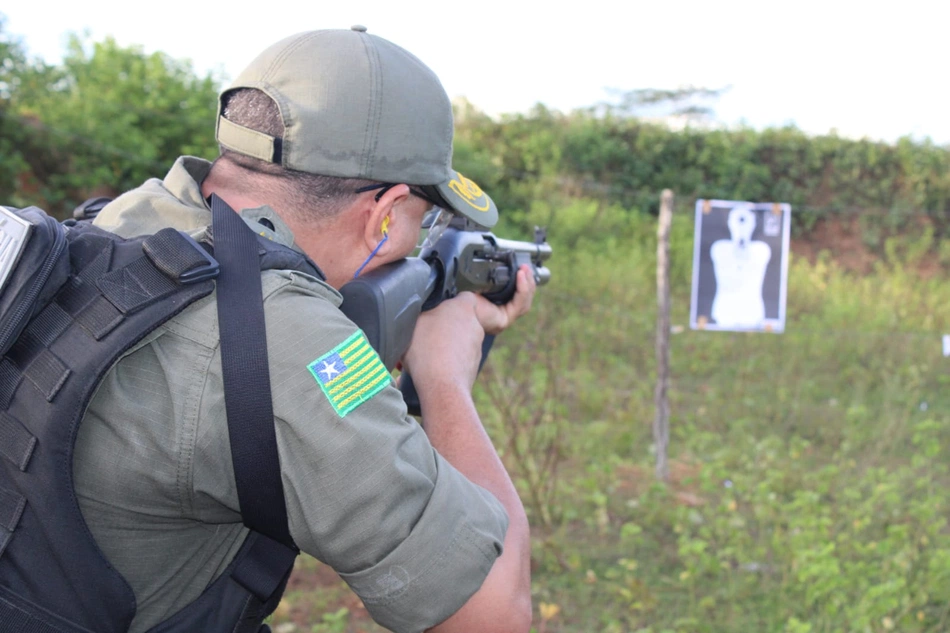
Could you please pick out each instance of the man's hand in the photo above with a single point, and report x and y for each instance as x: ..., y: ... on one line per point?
x: 446, y: 343
x: 495, y: 318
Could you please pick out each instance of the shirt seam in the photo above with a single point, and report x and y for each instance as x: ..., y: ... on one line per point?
x: 191, y: 411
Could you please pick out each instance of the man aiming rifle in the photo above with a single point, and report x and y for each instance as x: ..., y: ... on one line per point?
x: 334, y: 145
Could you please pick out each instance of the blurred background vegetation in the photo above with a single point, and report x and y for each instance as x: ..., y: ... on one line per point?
x: 809, y: 489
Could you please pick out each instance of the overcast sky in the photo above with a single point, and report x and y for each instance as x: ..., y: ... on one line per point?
x: 845, y: 66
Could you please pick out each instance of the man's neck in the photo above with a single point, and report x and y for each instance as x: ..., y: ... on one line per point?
x: 328, y: 243
x: 220, y: 180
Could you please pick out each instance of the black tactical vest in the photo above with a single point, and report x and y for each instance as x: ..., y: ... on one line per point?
x: 102, y: 295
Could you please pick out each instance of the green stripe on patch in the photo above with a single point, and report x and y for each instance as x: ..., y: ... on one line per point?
x: 350, y: 374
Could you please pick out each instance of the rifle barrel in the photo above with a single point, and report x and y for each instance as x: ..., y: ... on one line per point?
x: 538, y: 251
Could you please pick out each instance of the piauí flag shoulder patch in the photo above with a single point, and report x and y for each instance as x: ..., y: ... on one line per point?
x: 350, y: 374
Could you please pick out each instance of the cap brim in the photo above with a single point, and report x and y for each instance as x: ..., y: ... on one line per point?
x: 467, y: 199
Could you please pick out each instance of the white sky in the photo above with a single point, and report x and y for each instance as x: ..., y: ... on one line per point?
x: 866, y: 68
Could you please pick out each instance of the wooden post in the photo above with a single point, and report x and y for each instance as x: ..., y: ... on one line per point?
x: 661, y: 423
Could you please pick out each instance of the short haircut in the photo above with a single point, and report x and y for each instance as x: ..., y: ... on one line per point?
x: 312, y: 196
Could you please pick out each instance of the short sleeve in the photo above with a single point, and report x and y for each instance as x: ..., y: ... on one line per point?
x: 366, y: 492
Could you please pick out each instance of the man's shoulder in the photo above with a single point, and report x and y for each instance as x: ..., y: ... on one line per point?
x: 284, y: 285
x: 291, y: 297
x: 175, y: 201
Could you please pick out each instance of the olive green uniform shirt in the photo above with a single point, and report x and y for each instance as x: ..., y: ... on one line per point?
x: 366, y: 493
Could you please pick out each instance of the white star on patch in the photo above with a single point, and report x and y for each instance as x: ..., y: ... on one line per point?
x: 329, y: 370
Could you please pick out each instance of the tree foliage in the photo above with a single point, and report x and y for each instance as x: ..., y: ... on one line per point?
x: 689, y: 103
x: 109, y: 117
x: 106, y: 119
x: 12, y: 163
x: 537, y: 163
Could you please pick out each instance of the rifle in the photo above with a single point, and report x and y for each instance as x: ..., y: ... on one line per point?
x: 385, y: 303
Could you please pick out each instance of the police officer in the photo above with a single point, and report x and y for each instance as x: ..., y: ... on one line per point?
x: 336, y: 143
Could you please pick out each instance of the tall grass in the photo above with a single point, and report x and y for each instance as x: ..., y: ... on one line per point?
x: 810, y: 483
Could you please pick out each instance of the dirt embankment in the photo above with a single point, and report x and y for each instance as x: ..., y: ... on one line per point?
x: 857, y: 245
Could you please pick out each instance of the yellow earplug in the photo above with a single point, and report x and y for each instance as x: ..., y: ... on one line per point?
x: 385, y: 229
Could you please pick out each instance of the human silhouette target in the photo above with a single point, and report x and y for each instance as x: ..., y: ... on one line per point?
x: 740, y: 266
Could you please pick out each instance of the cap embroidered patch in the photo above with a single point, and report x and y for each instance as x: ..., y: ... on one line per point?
x: 471, y: 193
x: 350, y: 374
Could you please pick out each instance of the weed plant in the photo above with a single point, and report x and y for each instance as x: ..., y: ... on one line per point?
x: 809, y: 481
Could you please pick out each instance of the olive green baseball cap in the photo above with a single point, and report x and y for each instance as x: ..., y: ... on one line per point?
x: 355, y: 105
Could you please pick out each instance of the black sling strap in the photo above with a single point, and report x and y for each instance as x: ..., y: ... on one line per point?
x: 252, y: 586
x: 246, y: 375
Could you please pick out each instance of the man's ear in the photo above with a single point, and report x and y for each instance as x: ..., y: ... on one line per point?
x: 382, y: 216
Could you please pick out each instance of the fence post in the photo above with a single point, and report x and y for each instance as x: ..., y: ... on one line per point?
x: 661, y: 421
